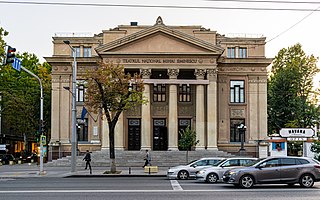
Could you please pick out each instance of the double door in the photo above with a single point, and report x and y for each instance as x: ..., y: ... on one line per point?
x: 160, y: 135
x: 134, y: 134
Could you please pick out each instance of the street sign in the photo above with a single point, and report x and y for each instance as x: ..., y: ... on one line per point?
x: 16, y: 64
x: 43, y: 139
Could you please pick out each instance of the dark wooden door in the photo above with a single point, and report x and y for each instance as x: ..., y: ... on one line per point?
x: 134, y: 134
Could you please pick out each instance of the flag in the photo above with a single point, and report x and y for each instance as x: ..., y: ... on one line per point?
x: 83, y: 113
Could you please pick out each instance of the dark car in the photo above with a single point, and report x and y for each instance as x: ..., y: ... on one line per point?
x: 6, y: 158
x: 287, y: 170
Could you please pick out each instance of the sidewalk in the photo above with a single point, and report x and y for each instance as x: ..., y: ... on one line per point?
x: 25, y: 171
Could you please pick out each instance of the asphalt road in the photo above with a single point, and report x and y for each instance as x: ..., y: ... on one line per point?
x: 149, y: 188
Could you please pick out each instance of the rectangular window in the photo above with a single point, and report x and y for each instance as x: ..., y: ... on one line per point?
x: 184, y: 93
x: 80, y: 91
x: 86, y: 51
x: 159, y: 93
x: 231, y: 52
x: 242, y: 52
x: 237, y: 91
x: 82, y: 129
x: 234, y: 130
x: 77, y: 51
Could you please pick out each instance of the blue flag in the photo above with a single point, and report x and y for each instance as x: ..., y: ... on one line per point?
x: 83, y: 113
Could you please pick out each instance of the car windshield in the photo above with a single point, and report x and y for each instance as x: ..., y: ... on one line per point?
x: 192, y: 162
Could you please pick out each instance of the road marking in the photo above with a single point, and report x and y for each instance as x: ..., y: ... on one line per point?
x: 175, y: 185
x: 152, y: 191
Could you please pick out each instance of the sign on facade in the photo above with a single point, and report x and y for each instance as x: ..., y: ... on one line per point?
x: 297, y: 132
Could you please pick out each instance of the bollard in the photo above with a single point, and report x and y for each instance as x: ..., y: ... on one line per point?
x: 149, y: 170
x: 129, y: 170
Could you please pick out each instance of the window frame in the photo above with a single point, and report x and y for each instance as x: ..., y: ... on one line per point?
x: 231, y: 52
x: 184, y: 93
x: 237, y: 92
x: 159, y: 93
x: 87, y: 52
x: 83, y: 130
x: 234, y: 131
x: 243, y: 52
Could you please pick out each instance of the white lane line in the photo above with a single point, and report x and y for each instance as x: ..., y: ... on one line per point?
x: 153, y: 191
x: 175, y: 185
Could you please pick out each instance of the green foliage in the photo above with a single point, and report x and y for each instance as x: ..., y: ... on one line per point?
x: 21, y: 97
x: 316, y: 149
x: 188, y: 139
x: 2, y: 43
x: 290, y: 90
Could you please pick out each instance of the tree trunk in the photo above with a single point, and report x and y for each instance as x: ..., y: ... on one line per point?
x: 113, y: 168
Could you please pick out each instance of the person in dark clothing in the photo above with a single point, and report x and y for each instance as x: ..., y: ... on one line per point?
x: 87, y: 158
x: 147, y: 159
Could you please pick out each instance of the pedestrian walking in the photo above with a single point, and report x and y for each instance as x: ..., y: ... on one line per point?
x: 147, y: 159
x: 87, y: 158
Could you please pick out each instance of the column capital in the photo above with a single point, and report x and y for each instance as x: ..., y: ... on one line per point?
x: 200, y: 73
x: 146, y: 73
x: 212, y: 74
x: 173, y: 73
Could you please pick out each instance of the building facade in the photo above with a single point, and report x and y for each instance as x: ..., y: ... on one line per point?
x: 193, y: 77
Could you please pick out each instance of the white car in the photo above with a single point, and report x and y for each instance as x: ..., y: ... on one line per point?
x: 189, y: 170
x: 214, y: 174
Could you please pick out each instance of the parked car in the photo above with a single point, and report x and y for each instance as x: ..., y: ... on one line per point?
x: 189, y: 170
x: 215, y: 173
x: 26, y: 157
x: 6, y: 158
x: 288, y: 170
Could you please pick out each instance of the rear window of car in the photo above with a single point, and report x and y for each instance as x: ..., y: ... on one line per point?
x: 302, y: 161
x: 247, y: 162
x: 288, y: 161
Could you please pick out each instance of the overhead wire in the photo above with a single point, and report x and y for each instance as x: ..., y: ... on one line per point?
x: 152, y: 6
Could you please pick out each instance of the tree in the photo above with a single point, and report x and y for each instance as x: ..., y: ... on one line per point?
x: 290, y: 90
x: 113, y: 91
x: 188, y: 139
x: 316, y: 149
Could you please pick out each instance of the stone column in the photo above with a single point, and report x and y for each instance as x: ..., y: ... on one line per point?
x: 212, y: 109
x: 200, y: 112
x: 118, y: 134
x: 65, y: 110
x: 146, y: 132
x: 173, y: 112
x: 55, y: 109
x: 105, y: 133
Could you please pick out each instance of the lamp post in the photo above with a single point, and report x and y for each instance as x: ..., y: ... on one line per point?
x: 0, y: 116
x: 242, y: 129
x: 74, y: 111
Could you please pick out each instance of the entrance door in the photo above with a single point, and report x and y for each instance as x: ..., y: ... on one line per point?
x: 160, y: 135
x: 134, y: 134
x: 295, y: 148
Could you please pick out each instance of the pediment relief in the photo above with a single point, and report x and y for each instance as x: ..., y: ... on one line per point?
x: 159, y: 43
x: 159, y: 39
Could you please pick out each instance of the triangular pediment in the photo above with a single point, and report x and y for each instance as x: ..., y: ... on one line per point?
x: 159, y: 39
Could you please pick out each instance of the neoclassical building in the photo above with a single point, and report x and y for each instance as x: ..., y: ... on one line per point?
x: 193, y: 76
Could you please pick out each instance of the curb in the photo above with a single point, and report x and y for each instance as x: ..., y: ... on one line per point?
x: 113, y: 175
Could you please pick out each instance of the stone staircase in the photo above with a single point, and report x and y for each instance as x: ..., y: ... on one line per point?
x: 135, y: 158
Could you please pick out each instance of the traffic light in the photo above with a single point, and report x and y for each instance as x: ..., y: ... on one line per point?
x: 10, y: 55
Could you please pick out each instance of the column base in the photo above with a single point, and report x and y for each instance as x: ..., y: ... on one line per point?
x: 212, y: 149
x: 200, y: 148
x: 145, y: 148
x: 173, y: 149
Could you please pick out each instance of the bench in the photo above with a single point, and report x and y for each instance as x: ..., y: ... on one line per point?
x: 151, y: 169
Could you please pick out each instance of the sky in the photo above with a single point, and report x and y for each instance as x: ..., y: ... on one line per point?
x: 31, y: 27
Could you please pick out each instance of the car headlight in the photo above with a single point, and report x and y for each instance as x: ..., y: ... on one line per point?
x: 201, y: 171
x: 233, y: 173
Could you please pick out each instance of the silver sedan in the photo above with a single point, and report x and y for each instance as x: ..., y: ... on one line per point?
x: 189, y: 170
x: 215, y: 174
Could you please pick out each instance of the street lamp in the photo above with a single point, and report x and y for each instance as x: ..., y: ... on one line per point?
x: 242, y: 129
x: 74, y: 110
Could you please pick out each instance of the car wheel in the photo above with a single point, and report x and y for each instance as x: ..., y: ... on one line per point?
x: 246, y: 181
x: 183, y: 175
x: 306, y: 181
x: 212, y: 178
